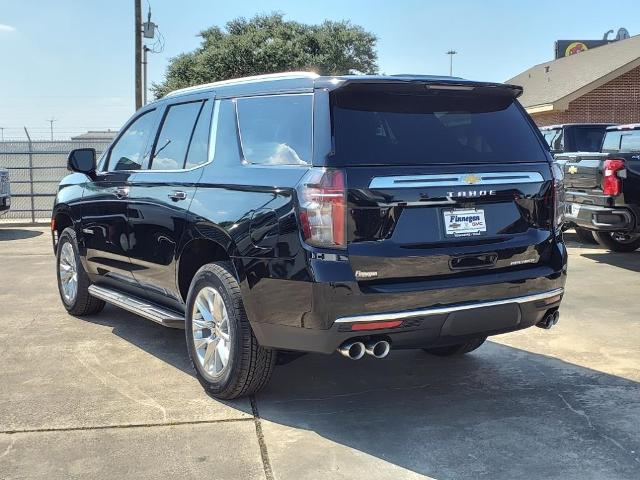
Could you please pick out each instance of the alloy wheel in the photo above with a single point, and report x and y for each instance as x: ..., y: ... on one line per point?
x: 211, y: 332
x: 68, y: 272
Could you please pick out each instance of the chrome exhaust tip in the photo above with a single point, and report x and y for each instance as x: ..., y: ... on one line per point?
x: 352, y: 350
x: 549, y: 321
x: 378, y: 348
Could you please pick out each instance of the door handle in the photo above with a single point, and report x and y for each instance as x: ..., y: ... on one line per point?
x: 177, y: 195
x: 122, y: 192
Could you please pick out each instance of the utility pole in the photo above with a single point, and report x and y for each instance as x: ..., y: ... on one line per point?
x: 138, y: 37
x: 451, y: 53
x: 2, y: 134
x: 51, y: 120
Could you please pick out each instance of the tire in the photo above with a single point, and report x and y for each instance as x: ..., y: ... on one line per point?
x: 67, y: 259
x: 618, y: 241
x: 248, y: 366
x: 585, y: 236
x: 458, y: 349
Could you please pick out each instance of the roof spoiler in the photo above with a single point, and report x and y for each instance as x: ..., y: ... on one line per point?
x: 442, y: 83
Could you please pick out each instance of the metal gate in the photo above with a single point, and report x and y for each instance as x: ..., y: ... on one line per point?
x: 35, y: 169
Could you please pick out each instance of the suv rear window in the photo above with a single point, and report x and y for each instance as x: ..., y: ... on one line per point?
x: 374, y: 125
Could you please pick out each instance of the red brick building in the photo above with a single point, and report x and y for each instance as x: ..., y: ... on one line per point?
x: 600, y: 85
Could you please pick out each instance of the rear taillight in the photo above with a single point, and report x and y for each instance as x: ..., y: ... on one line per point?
x: 558, y: 196
x: 614, y: 172
x: 322, y: 199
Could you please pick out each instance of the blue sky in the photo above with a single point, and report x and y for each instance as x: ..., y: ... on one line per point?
x: 73, y: 59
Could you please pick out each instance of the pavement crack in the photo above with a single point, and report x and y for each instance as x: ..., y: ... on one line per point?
x: 580, y: 413
x: 584, y: 415
x: 124, y: 426
x: 9, y: 448
x: 266, y: 463
x: 92, y: 363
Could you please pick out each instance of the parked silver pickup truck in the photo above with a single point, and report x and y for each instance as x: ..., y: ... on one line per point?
x: 5, y: 191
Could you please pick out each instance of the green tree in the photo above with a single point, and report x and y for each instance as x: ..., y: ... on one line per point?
x: 268, y: 44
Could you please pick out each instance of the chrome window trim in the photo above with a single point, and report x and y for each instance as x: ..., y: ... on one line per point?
x: 213, y: 132
x: 455, y: 180
x: 380, y: 317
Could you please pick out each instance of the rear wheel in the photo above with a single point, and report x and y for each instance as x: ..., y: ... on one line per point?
x: 73, y: 281
x: 585, y: 236
x: 457, y: 349
x: 224, y: 352
x: 618, y: 241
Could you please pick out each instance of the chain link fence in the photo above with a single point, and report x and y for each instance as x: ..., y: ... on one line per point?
x: 35, y: 169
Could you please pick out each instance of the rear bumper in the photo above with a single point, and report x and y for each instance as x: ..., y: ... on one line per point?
x: 442, y: 325
x: 605, y: 219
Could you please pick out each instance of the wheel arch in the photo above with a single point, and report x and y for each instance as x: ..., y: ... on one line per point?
x: 61, y: 218
x: 203, y: 245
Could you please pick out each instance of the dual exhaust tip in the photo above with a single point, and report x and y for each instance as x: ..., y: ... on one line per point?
x: 549, y: 320
x: 355, y: 350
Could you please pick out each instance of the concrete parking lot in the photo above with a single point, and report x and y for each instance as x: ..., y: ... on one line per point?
x: 113, y: 396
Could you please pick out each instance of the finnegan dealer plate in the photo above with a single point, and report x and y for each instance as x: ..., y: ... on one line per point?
x: 463, y: 223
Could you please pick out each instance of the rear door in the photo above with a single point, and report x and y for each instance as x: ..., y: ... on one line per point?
x: 160, y: 195
x: 441, y: 182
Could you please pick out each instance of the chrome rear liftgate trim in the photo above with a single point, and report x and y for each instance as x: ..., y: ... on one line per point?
x: 145, y: 309
x: 455, y: 180
x: 379, y: 317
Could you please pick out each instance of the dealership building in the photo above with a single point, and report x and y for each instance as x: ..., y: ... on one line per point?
x: 596, y: 85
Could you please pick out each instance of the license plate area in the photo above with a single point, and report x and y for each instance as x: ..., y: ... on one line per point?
x: 573, y: 210
x: 466, y: 222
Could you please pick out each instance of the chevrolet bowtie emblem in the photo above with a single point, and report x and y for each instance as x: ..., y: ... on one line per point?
x: 471, y: 179
x: 572, y: 169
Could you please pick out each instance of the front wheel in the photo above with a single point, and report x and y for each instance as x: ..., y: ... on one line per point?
x: 223, y: 350
x: 618, y: 241
x: 73, y: 281
x: 457, y: 349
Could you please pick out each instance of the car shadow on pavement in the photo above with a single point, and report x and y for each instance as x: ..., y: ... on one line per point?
x: 629, y: 261
x: 7, y: 234
x: 499, y: 412
x: 572, y: 240
x: 167, y: 344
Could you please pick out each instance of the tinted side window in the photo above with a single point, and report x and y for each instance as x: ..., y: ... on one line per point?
x: 631, y: 142
x: 129, y: 151
x: 171, y: 146
x: 611, y: 143
x: 276, y: 129
x: 199, y: 146
x: 555, y: 139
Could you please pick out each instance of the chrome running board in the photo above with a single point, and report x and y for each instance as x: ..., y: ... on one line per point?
x: 144, y: 308
x: 380, y: 317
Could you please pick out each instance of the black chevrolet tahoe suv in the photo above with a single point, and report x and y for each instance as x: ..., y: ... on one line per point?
x: 294, y: 213
x: 603, y: 190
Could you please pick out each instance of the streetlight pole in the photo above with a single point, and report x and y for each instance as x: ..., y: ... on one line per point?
x: 451, y: 53
x: 138, y: 40
x: 51, y: 120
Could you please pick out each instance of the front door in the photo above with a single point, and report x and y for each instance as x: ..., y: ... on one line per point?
x: 105, y: 229
x: 160, y: 196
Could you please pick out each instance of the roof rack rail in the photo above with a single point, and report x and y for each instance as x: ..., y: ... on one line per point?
x: 239, y: 81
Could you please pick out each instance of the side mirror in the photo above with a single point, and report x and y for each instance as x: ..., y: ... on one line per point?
x: 82, y: 160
